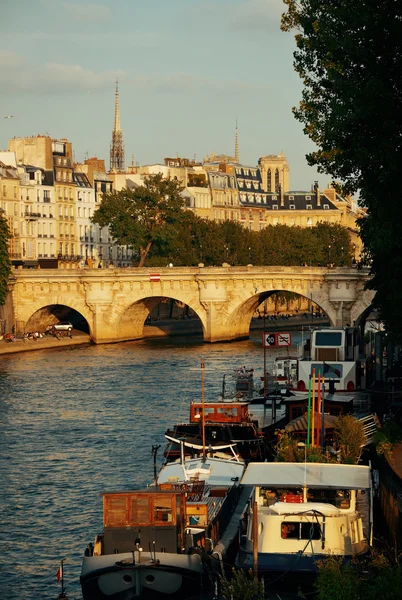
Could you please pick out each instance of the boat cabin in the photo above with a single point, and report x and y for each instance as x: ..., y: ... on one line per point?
x: 219, y: 412
x: 334, y: 404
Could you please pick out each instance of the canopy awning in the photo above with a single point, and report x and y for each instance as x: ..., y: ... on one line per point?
x: 314, y: 475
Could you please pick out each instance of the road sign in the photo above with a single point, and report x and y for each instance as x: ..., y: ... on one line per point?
x: 268, y: 339
x: 283, y: 339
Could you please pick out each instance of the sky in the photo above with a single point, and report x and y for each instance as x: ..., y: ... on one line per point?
x: 187, y: 69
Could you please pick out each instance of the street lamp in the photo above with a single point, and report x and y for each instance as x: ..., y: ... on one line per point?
x: 249, y: 254
x: 329, y: 255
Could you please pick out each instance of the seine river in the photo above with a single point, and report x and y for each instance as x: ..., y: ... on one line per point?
x: 77, y: 422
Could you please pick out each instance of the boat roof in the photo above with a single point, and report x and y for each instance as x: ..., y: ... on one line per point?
x: 314, y: 475
x: 214, y: 471
x: 341, y: 398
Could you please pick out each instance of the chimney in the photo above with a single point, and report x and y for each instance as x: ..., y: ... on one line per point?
x: 317, y: 193
x: 282, y: 196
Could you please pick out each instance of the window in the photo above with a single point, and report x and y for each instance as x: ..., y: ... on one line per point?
x: 300, y: 531
x: 307, y: 197
x: 309, y: 222
x: 274, y: 207
x: 163, y: 511
x: 309, y: 206
x: 292, y: 206
x: 291, y: 197
x: 326, y: 206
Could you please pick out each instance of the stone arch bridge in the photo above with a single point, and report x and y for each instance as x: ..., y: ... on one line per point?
x: 116, y: 302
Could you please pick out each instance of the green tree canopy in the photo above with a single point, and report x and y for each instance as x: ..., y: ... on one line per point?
x: 349, y: 56
x: 5, y: 263
x: 140, y: 217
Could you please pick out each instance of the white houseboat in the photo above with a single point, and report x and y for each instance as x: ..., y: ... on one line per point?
x: 301, y: 512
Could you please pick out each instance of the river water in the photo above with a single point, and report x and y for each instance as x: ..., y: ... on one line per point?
x: 76, y: 422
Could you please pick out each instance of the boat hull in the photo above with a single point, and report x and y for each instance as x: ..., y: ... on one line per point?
x: 284, y: 562
x: 116, y: 577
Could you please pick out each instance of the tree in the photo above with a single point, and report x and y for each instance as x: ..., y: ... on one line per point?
x: 5, y: 263
x: 349, y: 56
x: 140, y: 217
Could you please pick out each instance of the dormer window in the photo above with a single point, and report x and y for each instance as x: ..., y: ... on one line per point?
x: 274, y: 207
x: 326, y: 206
x: 292, y: 206
x: 307, y: 197
x: 291, y: 197
x: 309, y: 206
x: 275, y: 198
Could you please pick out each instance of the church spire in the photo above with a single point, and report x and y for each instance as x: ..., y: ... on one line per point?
x: 117, y: 110
x: 117, y: 147
x: 237, y: 144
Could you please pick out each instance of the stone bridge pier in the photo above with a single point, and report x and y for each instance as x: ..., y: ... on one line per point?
x: 116, y: 302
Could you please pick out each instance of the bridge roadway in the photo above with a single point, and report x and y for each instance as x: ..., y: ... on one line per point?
x: 116, y: 302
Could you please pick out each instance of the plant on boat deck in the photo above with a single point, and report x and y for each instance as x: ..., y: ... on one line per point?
x: 351, y: 439
x: 287, y: 450
x: 242, y: 586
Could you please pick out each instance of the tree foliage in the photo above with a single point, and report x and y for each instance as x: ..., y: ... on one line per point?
x: 242, y: 586
x: 196, y: 240
x: 142, y: 216
x: 5, y: 263
x: 349, y: 57
x: 372, y: 578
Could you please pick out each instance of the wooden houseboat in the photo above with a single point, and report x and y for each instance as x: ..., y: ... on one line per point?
x: 169, y: 540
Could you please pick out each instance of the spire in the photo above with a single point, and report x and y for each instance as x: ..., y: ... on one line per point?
x: 117, y: 110
x: 117, y: 146
x: 237, y: 144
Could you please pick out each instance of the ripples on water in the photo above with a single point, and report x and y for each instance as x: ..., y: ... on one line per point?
x: 76, y: 422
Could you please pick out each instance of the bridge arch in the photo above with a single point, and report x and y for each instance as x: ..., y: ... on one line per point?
x: 239, y: 318
x: 36, y: 316
x: 128, y: 316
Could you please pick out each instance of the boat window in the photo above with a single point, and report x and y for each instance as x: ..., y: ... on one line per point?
x: 328, y: 338
x: 338, y: 498
x: 328, y: 370
x: 227, y: 411
x: 115, y: 511
x: 139, y: 509
x: 300, y: 531
x: 163, y: 512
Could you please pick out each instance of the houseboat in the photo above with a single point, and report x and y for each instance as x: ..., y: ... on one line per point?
x: 332, y: 354
x: 223, y: 424
x: 299, y: 513
x: 169, y: 540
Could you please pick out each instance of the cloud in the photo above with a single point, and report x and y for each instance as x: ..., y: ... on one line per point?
x: 258, y: 15
x: 135, y: 39
x: 179, y: 83
x: 95, y: 13
x: 245, y: 15
x: 52, y: 78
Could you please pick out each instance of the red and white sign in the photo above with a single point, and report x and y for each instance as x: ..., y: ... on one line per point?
x: 283, y: 339
x: 154, y: 277
x: 270, y: 340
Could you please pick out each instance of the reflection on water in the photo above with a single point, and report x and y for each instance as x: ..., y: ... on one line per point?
x: 75, y: 422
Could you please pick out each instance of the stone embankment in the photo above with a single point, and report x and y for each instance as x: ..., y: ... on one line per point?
x: 155, y: 329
